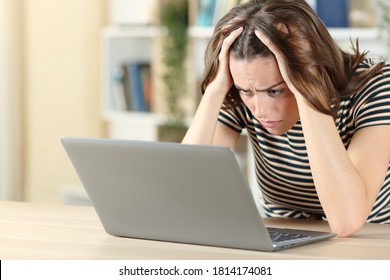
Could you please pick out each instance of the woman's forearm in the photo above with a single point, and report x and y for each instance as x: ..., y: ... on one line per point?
x: 204, y: 124
x: 340, y: 188
x: 202, y: 128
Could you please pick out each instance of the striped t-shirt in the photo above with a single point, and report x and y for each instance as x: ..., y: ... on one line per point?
x: 282, y: 165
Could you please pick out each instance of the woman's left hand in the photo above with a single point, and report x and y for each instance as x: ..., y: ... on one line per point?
x: 280, y: 59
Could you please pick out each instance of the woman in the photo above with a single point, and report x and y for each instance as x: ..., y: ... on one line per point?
x: 318, y: 118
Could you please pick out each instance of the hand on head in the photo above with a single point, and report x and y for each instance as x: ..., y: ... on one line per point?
x: 223, y: 79
x: 280, y: 59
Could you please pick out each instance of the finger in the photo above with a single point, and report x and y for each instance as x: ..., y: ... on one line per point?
x: 229, y: 40
x: 269, y: 44
x: 279, y: 57
x: 266, y: 41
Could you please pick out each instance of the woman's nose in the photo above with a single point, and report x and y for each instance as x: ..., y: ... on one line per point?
x: 261, y: 106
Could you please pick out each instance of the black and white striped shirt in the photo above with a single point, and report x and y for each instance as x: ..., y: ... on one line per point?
x: 282, y: 165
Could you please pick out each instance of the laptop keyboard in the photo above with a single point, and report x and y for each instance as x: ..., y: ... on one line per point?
x: 283, y: 236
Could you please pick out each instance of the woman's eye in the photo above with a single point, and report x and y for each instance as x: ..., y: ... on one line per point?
x: 245, y: 92
x: 275, y: 91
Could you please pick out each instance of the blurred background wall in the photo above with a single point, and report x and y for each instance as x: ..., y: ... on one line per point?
x: 49, y: 57
x: 10, y: 98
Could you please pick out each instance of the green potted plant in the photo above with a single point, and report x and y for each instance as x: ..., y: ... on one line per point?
x: 174, y: 20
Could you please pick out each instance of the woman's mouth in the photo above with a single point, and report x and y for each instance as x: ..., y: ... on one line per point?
x: 269, y: 124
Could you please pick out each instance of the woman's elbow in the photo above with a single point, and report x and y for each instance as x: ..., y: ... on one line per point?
x: 347, y: 229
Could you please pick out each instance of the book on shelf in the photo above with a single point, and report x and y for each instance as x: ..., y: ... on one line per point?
x: 132, y: 87
x: 334, y: 13
x: 118, y: 97
x: 209, y: 12
x: 136, y: 87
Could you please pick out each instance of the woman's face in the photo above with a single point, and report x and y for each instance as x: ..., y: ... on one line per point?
x: 262, y: 89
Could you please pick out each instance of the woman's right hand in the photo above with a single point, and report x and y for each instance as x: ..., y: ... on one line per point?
x: 203, y: 127
x: 223, y: 80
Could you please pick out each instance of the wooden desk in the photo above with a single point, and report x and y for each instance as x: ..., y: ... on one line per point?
x: 43, y: 231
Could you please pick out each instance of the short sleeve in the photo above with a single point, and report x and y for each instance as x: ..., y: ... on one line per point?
x: 372, y: 104
x: 234, y: 118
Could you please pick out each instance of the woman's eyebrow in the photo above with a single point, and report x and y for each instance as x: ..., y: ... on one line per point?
x: 240, y: 88
x: 270, y: 87
x: 259, y: 90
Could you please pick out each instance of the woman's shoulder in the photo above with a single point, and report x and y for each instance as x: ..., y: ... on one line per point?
x: 370, y: 106
x: 380, y: 83
x: 371, y: 62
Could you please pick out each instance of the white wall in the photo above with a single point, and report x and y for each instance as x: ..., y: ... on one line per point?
x: 49, y: 88
x: 62, y: 89
x: 10, y: 100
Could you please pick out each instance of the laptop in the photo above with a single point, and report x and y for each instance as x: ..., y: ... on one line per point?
x: 173, y: 192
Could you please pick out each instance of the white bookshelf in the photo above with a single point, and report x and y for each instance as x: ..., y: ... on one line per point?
x: 123, y: 44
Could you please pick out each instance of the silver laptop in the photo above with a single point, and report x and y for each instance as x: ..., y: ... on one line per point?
x: 175, y: 192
